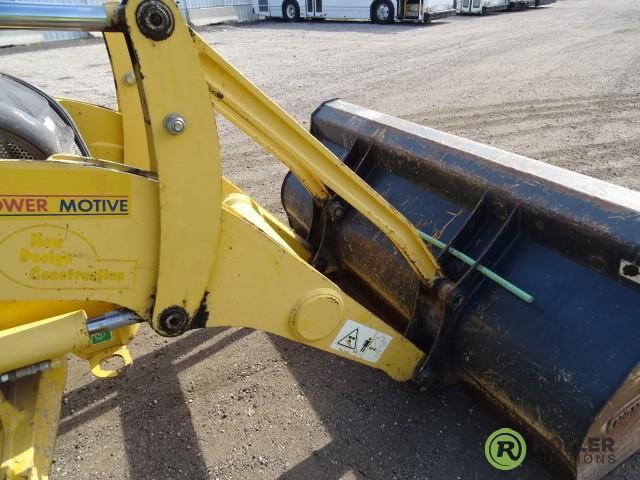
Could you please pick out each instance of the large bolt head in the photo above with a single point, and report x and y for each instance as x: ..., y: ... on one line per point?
x: 174, y: 124
x: 129, y: 78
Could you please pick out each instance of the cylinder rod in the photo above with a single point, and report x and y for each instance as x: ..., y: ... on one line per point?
x: 43, y: 16
x: 112, y: 321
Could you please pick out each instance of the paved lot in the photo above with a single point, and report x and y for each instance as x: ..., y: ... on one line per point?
x: 559, y: 84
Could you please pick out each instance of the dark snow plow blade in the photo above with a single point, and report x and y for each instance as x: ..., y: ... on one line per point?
x: 565, y: 366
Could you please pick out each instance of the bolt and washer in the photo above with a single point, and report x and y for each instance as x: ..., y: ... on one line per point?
x: 129, y: 78
x: 174, y: 123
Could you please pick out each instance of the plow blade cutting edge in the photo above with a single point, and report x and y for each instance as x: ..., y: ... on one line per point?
x: 564, y: 364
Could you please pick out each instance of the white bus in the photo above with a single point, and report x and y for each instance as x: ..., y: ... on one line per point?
x: 530, y: 3
x: 481, y: 7
x: 378, y: 11
x: 516, y: 4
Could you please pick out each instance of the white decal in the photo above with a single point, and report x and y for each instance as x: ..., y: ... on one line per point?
x: 361, y: 341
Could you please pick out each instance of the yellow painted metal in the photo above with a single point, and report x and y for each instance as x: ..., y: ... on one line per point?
x: 115, y: 135
x: 259, y: 284
x: 97, y: 354
x: 259, y: 280
x: 281, y: 232
x: 244, y: 207
x: 317, y: 314
x: 42, y: 340
x: 14, y: 313
x: 80, y: 230
x: 90, y: 235
x: 188, y: 164
x: 133, y: 126
x: 29, y: 416
x: 101, y: 129
x: 242, y: 103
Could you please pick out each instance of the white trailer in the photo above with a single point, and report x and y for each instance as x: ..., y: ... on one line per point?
x: 481, y: 7
x: 378, y: 11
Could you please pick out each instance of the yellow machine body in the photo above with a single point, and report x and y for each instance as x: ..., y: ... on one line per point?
x: 139, y: 225
x: 148, y: 224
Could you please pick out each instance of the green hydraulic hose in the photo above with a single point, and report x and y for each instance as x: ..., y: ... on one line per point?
x: 504, y: 283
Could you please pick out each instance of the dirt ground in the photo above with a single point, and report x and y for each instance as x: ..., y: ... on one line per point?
x: 559, y: 84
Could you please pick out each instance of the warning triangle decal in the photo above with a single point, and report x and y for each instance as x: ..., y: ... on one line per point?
x: 350, y: 340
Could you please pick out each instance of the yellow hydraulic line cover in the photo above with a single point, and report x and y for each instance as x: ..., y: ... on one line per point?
x: 42, y: 340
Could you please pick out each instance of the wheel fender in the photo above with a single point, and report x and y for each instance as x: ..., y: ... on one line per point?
x: 34, y: 122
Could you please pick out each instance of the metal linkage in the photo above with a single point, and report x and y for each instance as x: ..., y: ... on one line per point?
x: 112, y: 321
x: 54, y: 16
x: 108, y: 322
x: 26, y: 371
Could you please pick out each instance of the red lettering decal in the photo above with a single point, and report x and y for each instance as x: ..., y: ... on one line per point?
x: 13, y: 205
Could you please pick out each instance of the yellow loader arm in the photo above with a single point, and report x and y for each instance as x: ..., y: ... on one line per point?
x: 149, y: 230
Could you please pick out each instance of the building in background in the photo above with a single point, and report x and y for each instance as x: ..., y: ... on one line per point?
x: 198, y: 12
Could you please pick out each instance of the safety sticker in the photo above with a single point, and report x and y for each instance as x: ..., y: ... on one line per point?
x: 361, y: 341
x: 101, y: 337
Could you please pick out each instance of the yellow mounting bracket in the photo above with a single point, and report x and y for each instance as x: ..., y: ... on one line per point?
x: 33, y: 365
x: 175, y: 105
x: 29, y: 414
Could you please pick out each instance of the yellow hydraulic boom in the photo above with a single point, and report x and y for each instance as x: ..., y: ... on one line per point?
x: 147, y: 229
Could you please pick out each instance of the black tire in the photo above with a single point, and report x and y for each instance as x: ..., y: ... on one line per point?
x: 33, y: 126
x: 484, y: 11
x: 290, y: 11
x: 382, y: 12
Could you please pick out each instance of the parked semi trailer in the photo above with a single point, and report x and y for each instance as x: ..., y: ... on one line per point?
x: 378, y: 11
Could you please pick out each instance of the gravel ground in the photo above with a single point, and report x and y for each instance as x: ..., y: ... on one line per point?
x: 558, y: 84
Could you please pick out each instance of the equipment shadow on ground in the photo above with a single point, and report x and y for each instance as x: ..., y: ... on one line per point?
x: 153, y: 407
x: 382, y: 429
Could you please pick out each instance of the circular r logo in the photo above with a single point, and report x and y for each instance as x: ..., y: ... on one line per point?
x: 505, y: 449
